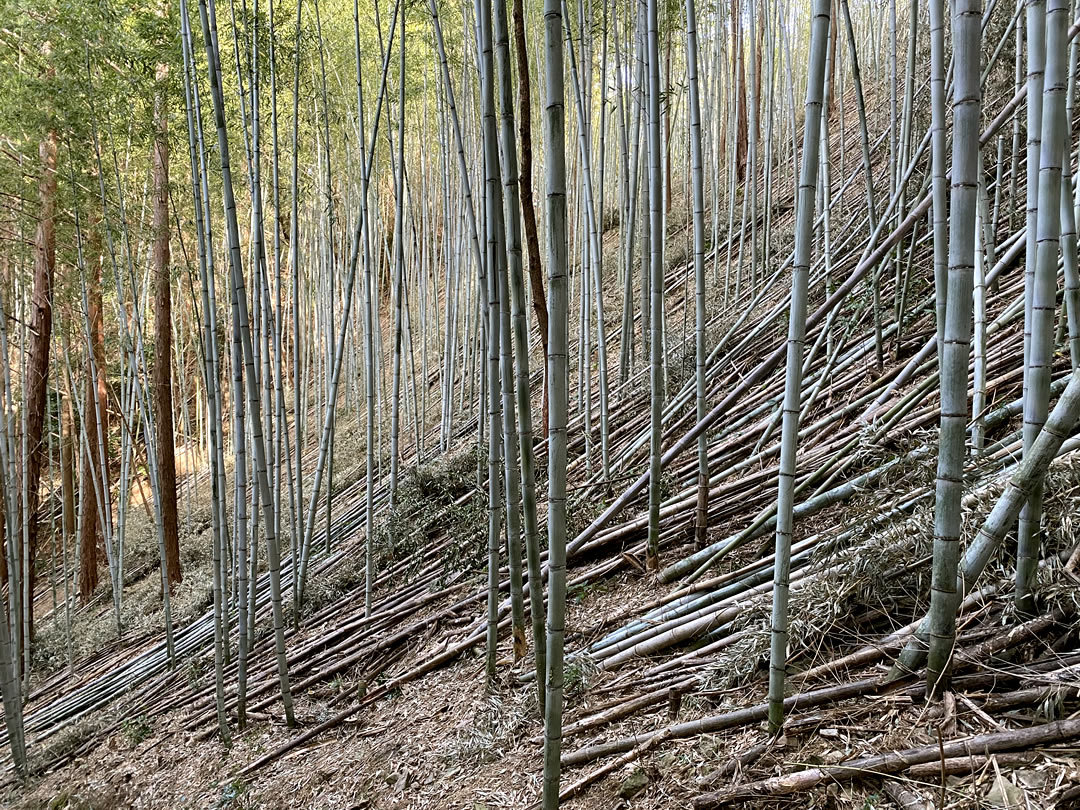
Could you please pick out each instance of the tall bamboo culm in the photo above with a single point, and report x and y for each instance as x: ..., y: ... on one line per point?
x: 967, y: 98
x: 656, y: 283
x: 558, y: 350
x: 1044, y: 288
x: 804, y: 228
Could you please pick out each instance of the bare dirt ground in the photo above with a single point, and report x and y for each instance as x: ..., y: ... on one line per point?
x: 444, y: 743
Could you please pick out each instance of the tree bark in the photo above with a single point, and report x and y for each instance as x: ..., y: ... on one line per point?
x: 528, y: 207
x: 162, y: 371
x: 95, y: 449
x: 37, y: 383
x: 740, y: 93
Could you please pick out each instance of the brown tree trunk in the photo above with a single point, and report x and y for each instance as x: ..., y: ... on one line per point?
x: 96, y: 424
x: 162, y: 371
x: 528, y: 209
x: 67, y: 464
x: 740, y: 93
x: 759, y: 47
x: 37, y: 367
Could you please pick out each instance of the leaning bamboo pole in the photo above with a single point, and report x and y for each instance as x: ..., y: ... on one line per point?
x: 240, y: 297
x: 1059, y: 424
x: 819, y: 33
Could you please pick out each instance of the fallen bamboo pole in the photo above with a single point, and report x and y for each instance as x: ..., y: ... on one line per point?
x: 893, y: 762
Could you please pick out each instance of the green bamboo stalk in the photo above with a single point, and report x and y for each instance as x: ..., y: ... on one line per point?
x: 819, y: 32
x: 558, y: 349
x: 1043, y: 298
x: 938, y: 182
x: 698, y: 182
x: 512, y: 207
x: 656, y: 285
x: 954, y: 372
x: 1058, y: 426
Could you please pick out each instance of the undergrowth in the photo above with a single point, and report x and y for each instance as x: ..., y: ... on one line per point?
x: 435, y: 502
x: 886, y: 571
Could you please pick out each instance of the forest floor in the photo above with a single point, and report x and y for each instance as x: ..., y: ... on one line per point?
x: 445, y: 742
x: 439, y: 740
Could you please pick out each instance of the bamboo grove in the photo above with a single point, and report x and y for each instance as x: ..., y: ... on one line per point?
x: 663, y: 272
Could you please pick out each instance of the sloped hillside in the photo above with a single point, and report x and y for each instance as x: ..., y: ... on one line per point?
x: 665, y: 672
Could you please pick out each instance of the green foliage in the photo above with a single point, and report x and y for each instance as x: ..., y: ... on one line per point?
x: 577, y: 594
x: 136, y: 729
x: 195, y: 672
x: 346, y: 576
x: 433, y: 502
x: 69, y: 800
x: 580, y: 513
x: 498, y: 724
x: 578, y: 674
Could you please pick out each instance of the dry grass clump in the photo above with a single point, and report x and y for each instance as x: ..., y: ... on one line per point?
x: 142, y: 612
x: 66, y: 744
x: 344, y: 577
x: 94, y: 626
x: 350, y: 453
